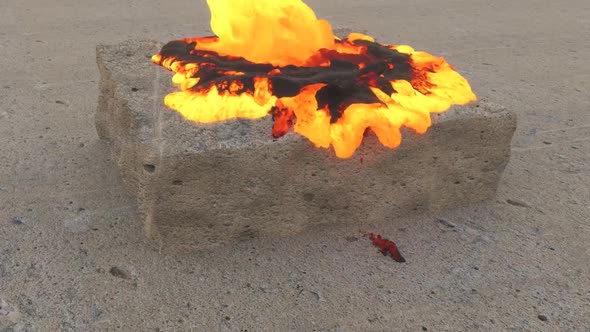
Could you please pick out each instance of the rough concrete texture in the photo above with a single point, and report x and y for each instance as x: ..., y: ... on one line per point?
x: 203, y: 185
x: 73, y: 256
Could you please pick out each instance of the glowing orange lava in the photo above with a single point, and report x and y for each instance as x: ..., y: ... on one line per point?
x: 275, y: 58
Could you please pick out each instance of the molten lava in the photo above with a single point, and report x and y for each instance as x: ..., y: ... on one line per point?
x: 274, y: 57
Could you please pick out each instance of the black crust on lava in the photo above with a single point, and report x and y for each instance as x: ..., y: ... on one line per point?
x: 345, y: 83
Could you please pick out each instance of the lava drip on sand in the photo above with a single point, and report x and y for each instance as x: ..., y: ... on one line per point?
x: 386, y: 247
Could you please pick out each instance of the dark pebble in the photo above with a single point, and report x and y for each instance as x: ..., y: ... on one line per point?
x: 518, y: 203
x: 542, y: 318
x: 351, y: 238
x: 17, y: 221
x: 447, y: 223
x: 119, y: 273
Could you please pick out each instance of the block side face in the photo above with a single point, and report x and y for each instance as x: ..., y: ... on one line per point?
x: 129, y: 100
x: 474, y: 159
x: 219, y: 197
x: 127, y: 114
x: 223, y: 198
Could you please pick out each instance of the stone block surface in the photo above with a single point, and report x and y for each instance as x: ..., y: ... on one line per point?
x: 202, y: 185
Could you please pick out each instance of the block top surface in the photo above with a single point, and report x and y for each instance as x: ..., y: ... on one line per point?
x: 141, y: 86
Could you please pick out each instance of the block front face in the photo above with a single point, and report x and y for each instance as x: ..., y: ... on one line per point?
x: 200, y: 185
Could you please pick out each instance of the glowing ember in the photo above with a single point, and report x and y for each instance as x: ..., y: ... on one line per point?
x: 274, y: 57
x: 386, y: 247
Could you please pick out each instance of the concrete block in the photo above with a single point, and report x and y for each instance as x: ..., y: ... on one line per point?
x: 198, y: 186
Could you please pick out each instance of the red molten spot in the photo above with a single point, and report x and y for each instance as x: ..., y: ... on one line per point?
x: 385, y: 247
x: 283, y: 118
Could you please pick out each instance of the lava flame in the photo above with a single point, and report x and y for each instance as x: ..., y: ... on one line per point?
x: 280, y: 32
x: 274, y: 57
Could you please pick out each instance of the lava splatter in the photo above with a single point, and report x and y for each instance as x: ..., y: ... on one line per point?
x: 386, y: 247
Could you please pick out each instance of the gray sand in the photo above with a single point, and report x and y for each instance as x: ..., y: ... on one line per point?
x: 73, y: 256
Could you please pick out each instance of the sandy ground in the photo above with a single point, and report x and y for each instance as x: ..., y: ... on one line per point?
x: 73, y: 256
